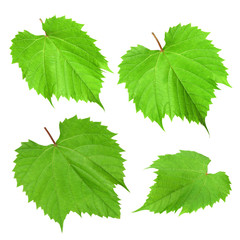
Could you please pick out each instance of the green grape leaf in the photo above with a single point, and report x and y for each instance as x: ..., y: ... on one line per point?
x: 183, y: 182
x: 77, y: 173
x: 63, y: 62
x: 179, y: 80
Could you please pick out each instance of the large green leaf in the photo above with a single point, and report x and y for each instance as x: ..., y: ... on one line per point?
x: 179, y: 80
x: 183, y: 182
x: 64, y: 62
x: 78, y: 173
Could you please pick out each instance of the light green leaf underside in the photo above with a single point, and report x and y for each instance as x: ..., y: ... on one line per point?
x: 64, y: 63
x: 183, y: 183
x: 78, y: 175
x: 180, y: 81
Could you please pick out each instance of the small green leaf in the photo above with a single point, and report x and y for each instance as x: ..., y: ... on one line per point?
x: 77, y: 173
x: 63, y: 62
x: 177, y: 80
x: 183, y: 182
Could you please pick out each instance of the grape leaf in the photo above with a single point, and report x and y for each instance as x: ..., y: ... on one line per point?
x: 183, y: 182
x: 179, y: 80
x: 77, y: 173
x: 65, y: 62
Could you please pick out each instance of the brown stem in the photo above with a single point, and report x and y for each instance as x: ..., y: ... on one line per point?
x: 42, y: 23
x: 159, y: 44
x: 50, y: 136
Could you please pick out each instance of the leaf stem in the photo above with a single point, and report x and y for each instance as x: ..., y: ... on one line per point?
x: 42, y: 23
x: 159, y: 44
x: 50, y: 137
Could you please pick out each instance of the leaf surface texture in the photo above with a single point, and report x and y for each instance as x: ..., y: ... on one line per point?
x: 183, y: 183
x: 63, y: 62
x: 180, y: 81
x: 78, y: 175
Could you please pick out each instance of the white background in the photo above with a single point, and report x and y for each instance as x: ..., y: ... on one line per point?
x: 117, y: 25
